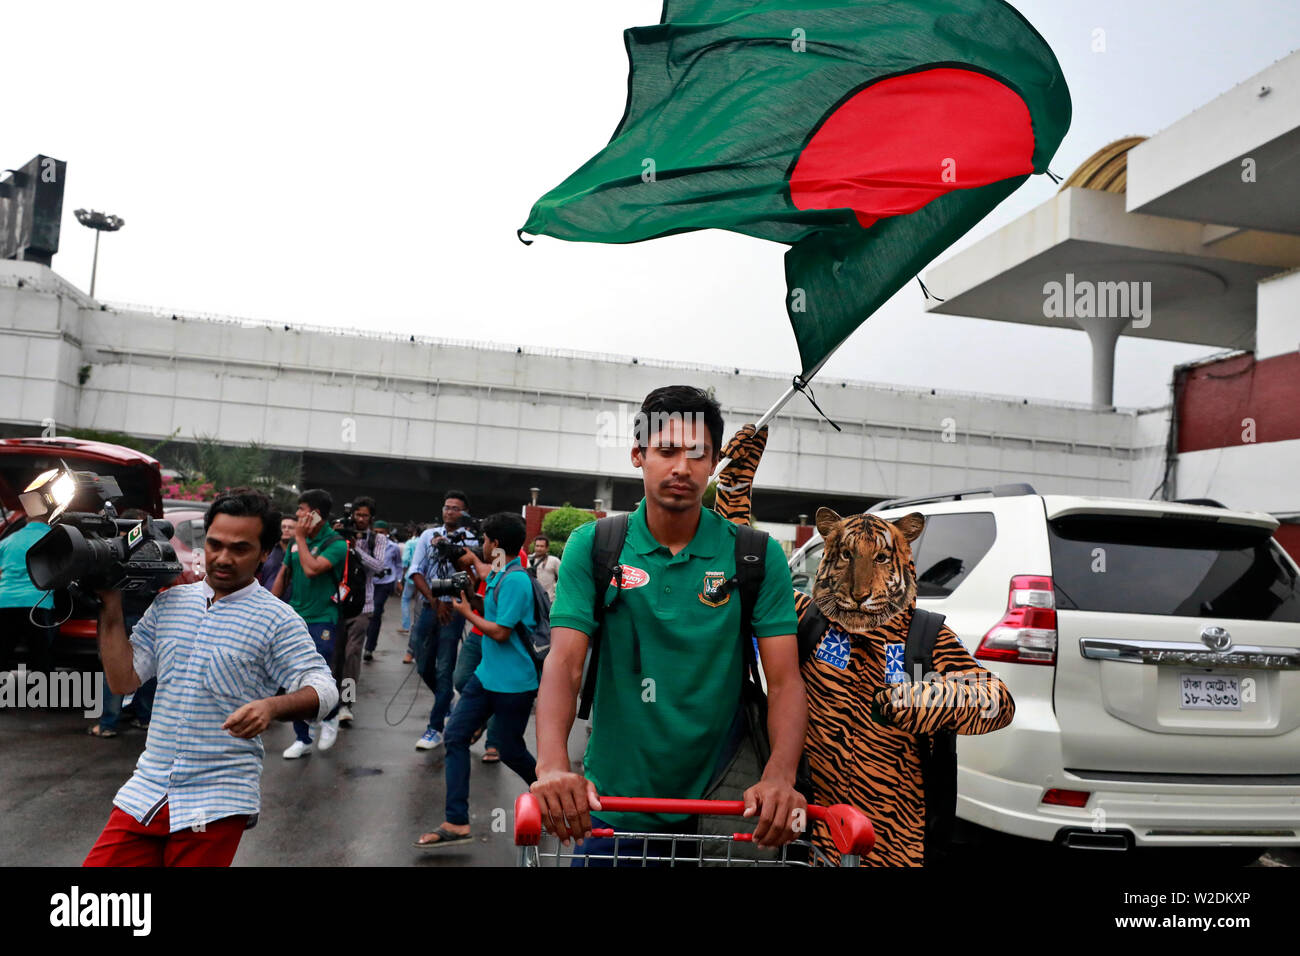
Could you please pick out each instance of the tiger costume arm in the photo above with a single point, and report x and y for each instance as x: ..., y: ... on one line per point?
x: 960, y: 696
x: 733, y: 499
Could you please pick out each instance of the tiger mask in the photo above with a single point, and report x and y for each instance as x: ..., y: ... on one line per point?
x: 866, y: 575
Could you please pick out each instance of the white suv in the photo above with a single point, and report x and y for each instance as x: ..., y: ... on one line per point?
x: 1153, y: 651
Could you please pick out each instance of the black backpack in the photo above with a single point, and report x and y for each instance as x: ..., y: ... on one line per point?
x: 350, y: 597
x: 938, y: 752
x: 537, y: 642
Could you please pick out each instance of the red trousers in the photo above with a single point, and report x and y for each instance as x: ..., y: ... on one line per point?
x: 125, y: 842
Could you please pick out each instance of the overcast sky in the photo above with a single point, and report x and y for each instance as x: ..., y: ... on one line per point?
x: 366, y: 166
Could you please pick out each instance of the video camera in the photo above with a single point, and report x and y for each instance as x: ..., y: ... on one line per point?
x: 346, y: 525
x: 85, y: 552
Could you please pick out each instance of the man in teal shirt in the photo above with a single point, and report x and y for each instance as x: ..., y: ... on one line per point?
x: 504, y: 683
x: 18, y: 597
x: 670, y: 670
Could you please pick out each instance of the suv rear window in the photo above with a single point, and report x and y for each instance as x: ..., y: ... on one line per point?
x: 948, y: 550
x: 1172, y: 566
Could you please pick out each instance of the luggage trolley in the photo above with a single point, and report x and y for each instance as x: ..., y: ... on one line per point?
x: 849, y: 829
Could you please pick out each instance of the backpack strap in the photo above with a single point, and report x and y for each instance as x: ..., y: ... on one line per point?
x: 751, y: 561
x: 922, y: 633
x: 606, y: 549
x: 812, y: 627
x: 938, y: 751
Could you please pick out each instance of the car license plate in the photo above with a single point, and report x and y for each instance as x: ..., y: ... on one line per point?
x: 1210, y: 691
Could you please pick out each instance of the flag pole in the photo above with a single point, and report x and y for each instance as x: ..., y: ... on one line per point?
x: 763, y: 420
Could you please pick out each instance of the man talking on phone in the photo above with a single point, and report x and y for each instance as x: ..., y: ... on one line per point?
x: 314, y: 566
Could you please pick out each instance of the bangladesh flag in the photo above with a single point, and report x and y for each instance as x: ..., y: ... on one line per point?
x: 869, y: 135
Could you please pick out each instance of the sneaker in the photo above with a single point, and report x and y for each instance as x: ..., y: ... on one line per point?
x: 429, y: 741
x: 329, y: 732
x: 409, y: 658
x: 368, y: 656
x: 345, y: 717
x: 296, y: 749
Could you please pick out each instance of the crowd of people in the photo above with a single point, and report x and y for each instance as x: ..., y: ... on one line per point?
x: 655, y: 625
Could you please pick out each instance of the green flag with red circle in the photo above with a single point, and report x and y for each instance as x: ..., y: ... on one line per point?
x: 868, y: 135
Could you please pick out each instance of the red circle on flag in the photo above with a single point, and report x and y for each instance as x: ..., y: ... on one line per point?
x: 902, y: 142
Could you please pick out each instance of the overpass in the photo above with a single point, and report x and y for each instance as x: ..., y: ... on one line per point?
x: 404, y: 417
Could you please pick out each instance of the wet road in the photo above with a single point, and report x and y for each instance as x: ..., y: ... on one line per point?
x: 362, y: 803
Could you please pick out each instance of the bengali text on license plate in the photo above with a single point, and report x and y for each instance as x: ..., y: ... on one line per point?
x: 1210, y: 692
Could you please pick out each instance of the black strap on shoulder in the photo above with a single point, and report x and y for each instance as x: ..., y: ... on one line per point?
x: 751, y: 566
x: 922, y: 633
x: 606, y: 549
x: 812, y: 627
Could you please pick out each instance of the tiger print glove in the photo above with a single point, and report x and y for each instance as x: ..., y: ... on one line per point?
x: 735, y: 484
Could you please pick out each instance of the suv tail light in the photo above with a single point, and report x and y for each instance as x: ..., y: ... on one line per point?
x: 1027, y: 632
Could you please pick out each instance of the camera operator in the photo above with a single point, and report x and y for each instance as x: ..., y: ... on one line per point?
x: 435, y: 556
x: 385, y: 582
x: 220, y: 648
x: 371, y: 550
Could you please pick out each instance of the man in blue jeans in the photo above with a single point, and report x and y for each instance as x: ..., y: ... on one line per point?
x: 438, y: 629
x: 503, y: 685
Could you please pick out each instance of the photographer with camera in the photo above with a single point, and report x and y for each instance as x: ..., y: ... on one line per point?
x: 219, y: 648
x: 314, y: 567
x: 438, y: 630
x: 503, y: 684
x: 370, y: 550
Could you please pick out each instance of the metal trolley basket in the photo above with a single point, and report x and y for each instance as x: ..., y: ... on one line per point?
x: 849, y: 828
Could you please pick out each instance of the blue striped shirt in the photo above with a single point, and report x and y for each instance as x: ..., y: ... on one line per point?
x: 211, y: 659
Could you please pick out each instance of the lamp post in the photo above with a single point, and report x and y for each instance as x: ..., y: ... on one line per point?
x: 100, y: 222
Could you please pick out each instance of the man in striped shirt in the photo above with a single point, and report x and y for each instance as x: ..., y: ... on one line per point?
x: 220, y: 649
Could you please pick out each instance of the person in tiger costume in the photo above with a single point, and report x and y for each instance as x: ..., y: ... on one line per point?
x: 862, y: 745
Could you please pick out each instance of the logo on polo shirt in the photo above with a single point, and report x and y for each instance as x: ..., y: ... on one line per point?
x: 709, y: 593
x: 632, y: 578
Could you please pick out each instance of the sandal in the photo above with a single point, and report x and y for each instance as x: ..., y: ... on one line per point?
x: 445, y: 838
x: 98, y: 731
x: 490, y: 755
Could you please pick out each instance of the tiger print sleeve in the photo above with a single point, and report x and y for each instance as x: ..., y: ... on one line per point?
x: 733, y: 500
x: 961, y: 696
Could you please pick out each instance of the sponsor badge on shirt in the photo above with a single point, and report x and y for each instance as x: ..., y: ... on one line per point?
x: 894, y: 672
x: 834, y: 649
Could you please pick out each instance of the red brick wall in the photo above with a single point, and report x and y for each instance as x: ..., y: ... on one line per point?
x: 1213, y: 400
x: 1288, y: 536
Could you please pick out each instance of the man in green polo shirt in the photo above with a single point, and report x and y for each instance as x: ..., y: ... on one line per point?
x: 669, y: 672
x: 315, y: 566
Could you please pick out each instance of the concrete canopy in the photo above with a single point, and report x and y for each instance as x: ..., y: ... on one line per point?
x: 1234, y: 161
x: 1202, y: 281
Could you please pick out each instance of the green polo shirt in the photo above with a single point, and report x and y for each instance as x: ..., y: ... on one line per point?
x: 659, y: 731
x: 311, y: 596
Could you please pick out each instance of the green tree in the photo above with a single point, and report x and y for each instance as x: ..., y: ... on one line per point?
x: 562, y: 522
x: 214, y: 467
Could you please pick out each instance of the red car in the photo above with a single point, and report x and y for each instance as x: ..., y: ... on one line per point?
x: 138, y: 475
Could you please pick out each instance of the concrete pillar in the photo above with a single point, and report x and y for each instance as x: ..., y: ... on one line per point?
x: 605, y: 492
x: 1103, y: 334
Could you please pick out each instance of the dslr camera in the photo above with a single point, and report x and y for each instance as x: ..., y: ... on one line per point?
x: 458, y: 583
x: 89, y: 551
x: 451, y: 546
x: 346, y: 525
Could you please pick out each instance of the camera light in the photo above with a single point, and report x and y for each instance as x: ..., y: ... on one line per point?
x: 50, y: 493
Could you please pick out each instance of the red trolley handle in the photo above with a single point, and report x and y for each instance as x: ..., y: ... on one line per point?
x: 849, y: 827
